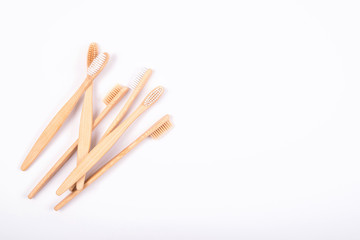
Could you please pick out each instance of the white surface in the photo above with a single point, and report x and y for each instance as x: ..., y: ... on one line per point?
x: 264, y: 97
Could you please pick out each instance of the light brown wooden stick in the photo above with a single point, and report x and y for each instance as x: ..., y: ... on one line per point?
x: 104, y: 145
x: 85, y: 131
x: 86, y: 119
x: 66, y: 156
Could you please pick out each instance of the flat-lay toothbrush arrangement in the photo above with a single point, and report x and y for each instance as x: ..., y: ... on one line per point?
x: 87, y: 158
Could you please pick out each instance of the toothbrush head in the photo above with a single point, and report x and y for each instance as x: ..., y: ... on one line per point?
x: 98, y: 64
x: 160, y: 127
x: 115, y: 94
x: 92, y: 53
x: 153, y: 96
x: 141, y: 79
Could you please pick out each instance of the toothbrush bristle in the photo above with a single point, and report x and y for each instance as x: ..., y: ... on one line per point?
x: 92, y: 53
x: 153, y: 96
x: 114, y: 94
x: 135, y: 82
x: 97, y: 64
x: 160, y: 131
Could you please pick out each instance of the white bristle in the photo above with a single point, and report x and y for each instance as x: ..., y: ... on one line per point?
x: 153, y: 96
x: 96, y: 64
x: 135, y: 82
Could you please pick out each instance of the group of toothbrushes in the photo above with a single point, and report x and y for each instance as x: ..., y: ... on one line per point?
x: 87, y: 157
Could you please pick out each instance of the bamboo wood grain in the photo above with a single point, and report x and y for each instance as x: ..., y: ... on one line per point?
x: 114, y: 160
x: 71, y: 150
x: 85, y: 131
x: 106, y: 143
x: 58, y: 120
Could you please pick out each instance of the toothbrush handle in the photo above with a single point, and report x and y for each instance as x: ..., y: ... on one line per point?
x: 85, y: 130
x: 55, y: 125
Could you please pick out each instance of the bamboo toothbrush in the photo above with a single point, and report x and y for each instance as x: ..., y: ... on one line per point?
x: 86, y: 119
x: 136, y: 86
x: 106, y: 143
x: 111, y: 99
x: 155, y: 131
x: 93, y: 70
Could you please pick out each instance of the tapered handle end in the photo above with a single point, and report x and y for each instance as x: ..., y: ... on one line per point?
x: 26, y: 164
x: 59, y: 191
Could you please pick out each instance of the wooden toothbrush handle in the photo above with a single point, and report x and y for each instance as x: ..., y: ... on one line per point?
x: 99, y: 151
x: 54, y: 125
x: 85, y: 130
x: 101, y: 171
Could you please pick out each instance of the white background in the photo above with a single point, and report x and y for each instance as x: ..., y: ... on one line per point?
x: 264, y: 96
